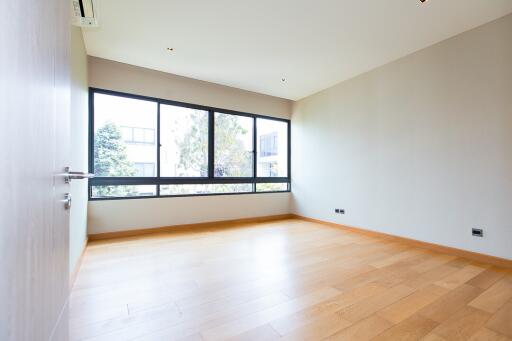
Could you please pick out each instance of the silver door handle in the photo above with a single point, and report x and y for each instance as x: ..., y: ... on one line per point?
x: 67, y: 201
x: 69, y: 175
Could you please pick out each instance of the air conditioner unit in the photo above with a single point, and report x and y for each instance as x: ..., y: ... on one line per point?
x: 85, y: 13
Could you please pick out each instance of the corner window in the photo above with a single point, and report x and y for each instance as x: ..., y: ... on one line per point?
x: 143, y: 147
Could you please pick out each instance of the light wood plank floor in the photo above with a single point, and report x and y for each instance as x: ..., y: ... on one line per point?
x: 290, y: 280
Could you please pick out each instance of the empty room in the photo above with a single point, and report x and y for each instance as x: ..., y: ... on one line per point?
x: 265, y: 170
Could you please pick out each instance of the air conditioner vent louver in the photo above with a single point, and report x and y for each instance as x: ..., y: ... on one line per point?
x: 85, y: 13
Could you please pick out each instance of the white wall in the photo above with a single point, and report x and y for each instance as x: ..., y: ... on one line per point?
x: 420, y: 148
x: 122, y: 215
x: 79, y: 136
x: 112, y: 75
x: 117, y: 215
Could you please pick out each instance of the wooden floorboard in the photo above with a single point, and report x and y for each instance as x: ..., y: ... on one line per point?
x: 284, y: 280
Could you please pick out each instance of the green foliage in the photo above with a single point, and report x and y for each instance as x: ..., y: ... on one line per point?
x: 205, y: 189
x: 193, y: 145
x: 231, y: 158
x: 271, y: 187
x: 110, y: 159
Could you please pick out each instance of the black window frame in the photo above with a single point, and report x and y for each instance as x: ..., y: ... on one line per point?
x: 210, y: 179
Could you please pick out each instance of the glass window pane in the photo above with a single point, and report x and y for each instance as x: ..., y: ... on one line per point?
x: 138, y: 135
x: 234, y: 149
x: 204, y: 189
x: 139, y: 169
x: 184, y: 140
x: 127, y: 133
x: 149, y: 169
x: 123, y: 191
x: 144, y: 169
x: 272, y: 148
x: 149, y: 136
x: 119, y: 144
x: 272, y: 187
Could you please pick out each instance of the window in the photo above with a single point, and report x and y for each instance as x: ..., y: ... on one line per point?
x: 184, y: 142
x: 144, y: 169
x: 272, y: 187
x: 234, y: 150
x: 273, y: 141
x: 268, y: 169
x: 268, y: 144
x: 123, y: 191
x: 143, y: 147
x: 123, y: 128
x: 138, y: 135
x: 205, y: 189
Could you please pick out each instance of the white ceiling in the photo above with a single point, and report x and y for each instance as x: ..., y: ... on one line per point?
x: 251, y: 45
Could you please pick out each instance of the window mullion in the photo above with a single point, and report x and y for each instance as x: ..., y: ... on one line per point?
x: 211, y: 144
x: 289, y: 165
x: 158, y: 148
x: 91, y: 139
x: 255, y: 149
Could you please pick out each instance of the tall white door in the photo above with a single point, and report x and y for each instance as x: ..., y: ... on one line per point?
x: 34, y: 149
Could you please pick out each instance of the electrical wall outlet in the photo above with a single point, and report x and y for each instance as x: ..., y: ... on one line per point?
x: 477, y: 232
x: 339, y: 211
